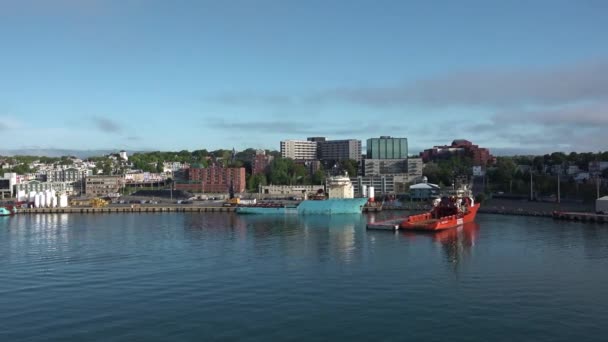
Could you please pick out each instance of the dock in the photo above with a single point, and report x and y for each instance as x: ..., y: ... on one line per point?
x: 391, y: 224
x: 372, y: 209
x: 580, y: 216
x: 126, y: 209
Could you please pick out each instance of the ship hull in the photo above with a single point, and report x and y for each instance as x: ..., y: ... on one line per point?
x: 6, y: 211
x: 310, y: 207
x: 425, y: 222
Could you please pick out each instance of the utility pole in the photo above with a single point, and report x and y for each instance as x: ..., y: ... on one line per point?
x: 558, y: 190
x: 531, y: 186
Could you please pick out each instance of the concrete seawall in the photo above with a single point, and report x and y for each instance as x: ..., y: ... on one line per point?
x: 107, y: 210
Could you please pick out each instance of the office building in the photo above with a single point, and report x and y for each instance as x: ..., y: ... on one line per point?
x: 415, y: 167
x: 103, y: 185
x: 316, y: 139
x: 214, y: 179
x: 383, y: 184
x: 71, y: 175
x: 377, y: 167
x: 387, y: 147
x: 299, y: 149
x: 339, y: 150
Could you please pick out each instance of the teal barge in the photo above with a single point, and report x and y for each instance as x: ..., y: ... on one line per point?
x: 310, y: 207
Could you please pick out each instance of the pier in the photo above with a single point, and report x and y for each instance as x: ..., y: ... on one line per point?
x: 126, y: 209
x: 581, y: 217
x: 390, y: 224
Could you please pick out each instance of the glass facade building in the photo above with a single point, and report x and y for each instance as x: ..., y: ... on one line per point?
x: 387, y: 148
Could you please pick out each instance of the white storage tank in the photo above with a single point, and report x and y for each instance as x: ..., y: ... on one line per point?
x: 601, y: 205
x: 21, y: 197
x: 53, y: 201
x: 31, y: 196
x: 63, y: 201
x: 37, y: 201
x: 42, y: 200
x: 371, y: 193
x: 48, y: 197
x: 364, y: 191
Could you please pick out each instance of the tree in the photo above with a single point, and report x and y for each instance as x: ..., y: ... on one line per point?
x: 22, y: 169
x: 278, y: 172
x: 298, y: 174
x: 318, y: 177
x: 255, y: 181
x: 66, y: 161
x: 349, y: 166
x: 558, y: 158
x: 106, y: 167
x: 503, y: 173
x: 432, y: 172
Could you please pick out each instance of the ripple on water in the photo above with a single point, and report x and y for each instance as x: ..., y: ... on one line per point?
x: 200, y: 276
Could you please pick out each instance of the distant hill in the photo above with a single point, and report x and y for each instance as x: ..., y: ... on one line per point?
x: 58, y: 152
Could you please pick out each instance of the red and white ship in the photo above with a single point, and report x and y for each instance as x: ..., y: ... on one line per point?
x: 448, y: 212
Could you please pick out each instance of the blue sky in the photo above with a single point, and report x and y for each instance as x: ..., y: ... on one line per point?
x: 515, y: 76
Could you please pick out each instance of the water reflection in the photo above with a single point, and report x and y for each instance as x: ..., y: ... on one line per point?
x: 324, y: 237
x: 456, y: 243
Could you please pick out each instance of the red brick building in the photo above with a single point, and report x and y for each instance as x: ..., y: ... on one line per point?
x: 214, y: 179
x: 481, y: 156
x: 260, y: 162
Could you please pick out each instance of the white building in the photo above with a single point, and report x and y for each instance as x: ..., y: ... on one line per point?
x: 291, y: 190
x: 423, y: 191
x: 67, y: 175
x: 383, y: 184
x: 37, y: 186
x: 7, y: 183
x: 299, y: 149
x: 169, y: 167
x: 123, y: 155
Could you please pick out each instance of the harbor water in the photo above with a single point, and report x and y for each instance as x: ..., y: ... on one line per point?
x: 221, y: 276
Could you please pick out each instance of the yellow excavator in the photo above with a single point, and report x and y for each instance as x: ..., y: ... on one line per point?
x: 98, y: 203
x: 232, y: 200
